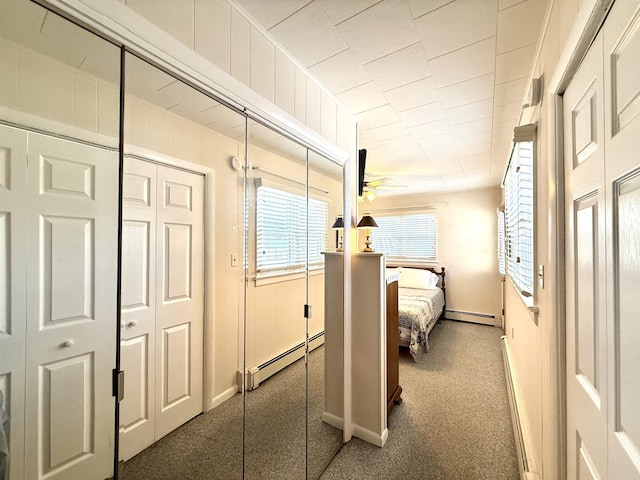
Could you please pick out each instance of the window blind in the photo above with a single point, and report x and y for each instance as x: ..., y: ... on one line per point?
x: 407, y: 237
x: 501, y: 243
x: 519, y: 216
x: 281, y: 231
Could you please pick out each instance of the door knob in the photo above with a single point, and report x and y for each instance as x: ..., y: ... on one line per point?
x: 132, y: 323
x: 67, y: 344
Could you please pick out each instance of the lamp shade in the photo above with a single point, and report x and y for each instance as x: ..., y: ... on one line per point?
x: 339, y: 223
x: 367, y: 221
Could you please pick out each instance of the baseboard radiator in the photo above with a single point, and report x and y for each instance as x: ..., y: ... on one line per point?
x: 473, y: 317
x: 526, y: 460
x: 259, y: 373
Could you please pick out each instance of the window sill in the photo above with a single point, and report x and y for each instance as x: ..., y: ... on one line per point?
x: 285, y: 277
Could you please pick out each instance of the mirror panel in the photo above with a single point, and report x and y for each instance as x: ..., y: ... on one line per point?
x: 276, y: 294
x: 59, y: 165
x: 326, y: 342
x: 182, y: 307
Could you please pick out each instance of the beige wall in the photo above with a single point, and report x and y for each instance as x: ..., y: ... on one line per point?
x: 467, y: 243
x: 534, y: 338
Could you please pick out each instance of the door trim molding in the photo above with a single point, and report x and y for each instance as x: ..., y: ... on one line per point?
x: 140, y: 153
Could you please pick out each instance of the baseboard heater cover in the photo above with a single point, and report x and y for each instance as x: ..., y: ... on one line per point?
x: 257, y: 374
x: 474, y: 317
x: 521, y: 432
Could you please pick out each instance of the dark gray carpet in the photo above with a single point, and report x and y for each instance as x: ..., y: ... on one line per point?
x: 454, y: 421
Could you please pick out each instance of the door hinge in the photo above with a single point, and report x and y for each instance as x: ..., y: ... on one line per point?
x: 118, y: 384
x: 307, y: 311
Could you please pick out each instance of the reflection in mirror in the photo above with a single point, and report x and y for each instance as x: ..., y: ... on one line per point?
x: 59, y: 164
x: 180, y: 349
x: 276, y: 294
x: 325, y: 366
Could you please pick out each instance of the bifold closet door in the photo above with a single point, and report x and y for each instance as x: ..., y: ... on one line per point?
x: 162, y: 302
x: 71, y: 248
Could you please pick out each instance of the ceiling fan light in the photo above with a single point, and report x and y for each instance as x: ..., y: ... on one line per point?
x: 370, y: 195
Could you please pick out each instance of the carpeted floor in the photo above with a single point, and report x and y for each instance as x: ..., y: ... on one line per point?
x: 454, y: 423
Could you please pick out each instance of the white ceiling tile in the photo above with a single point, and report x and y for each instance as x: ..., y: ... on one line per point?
x: 472, y: 128
x: 510, y: 92
x: 380, y: 30
x: 309, y: 35
x: 464, y: 64
x: 399, y: 68
x: 515, y: 64
x: 469, y: 91
x: 503, y: 129
x: 469, y: 112
x: 339, y: 10
x: 404, y: 146
x: 443, y: 154
x: 413, y: 95
x: 272, y: 12
x: 378, y: 117
x: 431, y: 129
x: 519, y: 25
x: 502, y: 4
x: 363, y: 97
x: 434, y: 142
x: 476, y: 161
x: 340, y: 72
x: 422, y: 114
x: 473, y: 140
x: 475, y: 150
x: 370, y: 143
x: 420, y: 7
x: 457, y: 25
x: 390, y: 131
x: 507, y: 112
x: 449, y: 169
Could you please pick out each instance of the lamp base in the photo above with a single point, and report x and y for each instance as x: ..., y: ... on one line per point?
x: 368, y: 249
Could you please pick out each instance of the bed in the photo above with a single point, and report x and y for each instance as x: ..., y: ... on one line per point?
x: 421, y: 303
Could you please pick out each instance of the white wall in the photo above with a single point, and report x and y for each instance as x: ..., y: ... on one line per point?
x: 467, y: 242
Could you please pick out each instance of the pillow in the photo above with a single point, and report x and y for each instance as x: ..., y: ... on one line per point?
x: 416, y: 278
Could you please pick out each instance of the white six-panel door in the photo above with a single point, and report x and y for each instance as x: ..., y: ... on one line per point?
x: 162, y: 302
x: 58, y: 251
x: 602, y: 169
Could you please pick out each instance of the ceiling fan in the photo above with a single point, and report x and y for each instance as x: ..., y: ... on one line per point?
x: 372, y: 184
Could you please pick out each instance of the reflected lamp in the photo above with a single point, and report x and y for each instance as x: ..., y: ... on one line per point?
x: 338, y: 226
x: 367, y: 222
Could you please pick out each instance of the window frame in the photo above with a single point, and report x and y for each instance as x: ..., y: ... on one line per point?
x: 516, y: 229
x: 409, y: 258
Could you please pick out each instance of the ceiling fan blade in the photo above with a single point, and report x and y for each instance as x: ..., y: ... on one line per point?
x: 390, y: 187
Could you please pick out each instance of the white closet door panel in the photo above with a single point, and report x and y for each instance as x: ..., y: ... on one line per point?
x: 71, y: 308
x: 587, y: 399
x: 13, y: 281
x: 138, y: 339
x: 179, y: 298
x: 622, y: 167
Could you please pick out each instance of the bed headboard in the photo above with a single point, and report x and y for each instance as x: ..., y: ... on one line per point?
x: 441, y: 274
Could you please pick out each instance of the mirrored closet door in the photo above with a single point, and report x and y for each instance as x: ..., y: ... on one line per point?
x: 182, y: 308
x: 59, y: 165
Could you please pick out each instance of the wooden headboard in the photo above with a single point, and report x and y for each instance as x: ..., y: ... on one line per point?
x: 441, y: 274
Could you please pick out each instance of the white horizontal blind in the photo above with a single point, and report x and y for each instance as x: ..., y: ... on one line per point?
x: 281, y: 231
x: 501, y: 243
x: 519, y: 216
x: 407, y: 237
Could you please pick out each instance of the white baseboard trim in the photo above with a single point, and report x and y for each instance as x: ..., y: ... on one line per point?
x: 332, y: 420
x: 369, y: 436
x: 224, y: 396
x: 521, y: 431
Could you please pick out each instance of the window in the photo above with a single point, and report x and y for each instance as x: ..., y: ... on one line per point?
x: 519, y: 202
x: 281, y: 231
x: 406, y: 237
x: 501, y: 252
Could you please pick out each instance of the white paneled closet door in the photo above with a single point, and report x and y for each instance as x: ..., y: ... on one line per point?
x: 162, y: 302
x: 13, y: 285
x: 71, y: 252
x: 602, y: 168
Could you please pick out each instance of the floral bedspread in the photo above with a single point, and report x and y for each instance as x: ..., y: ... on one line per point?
x: 417, y: 313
